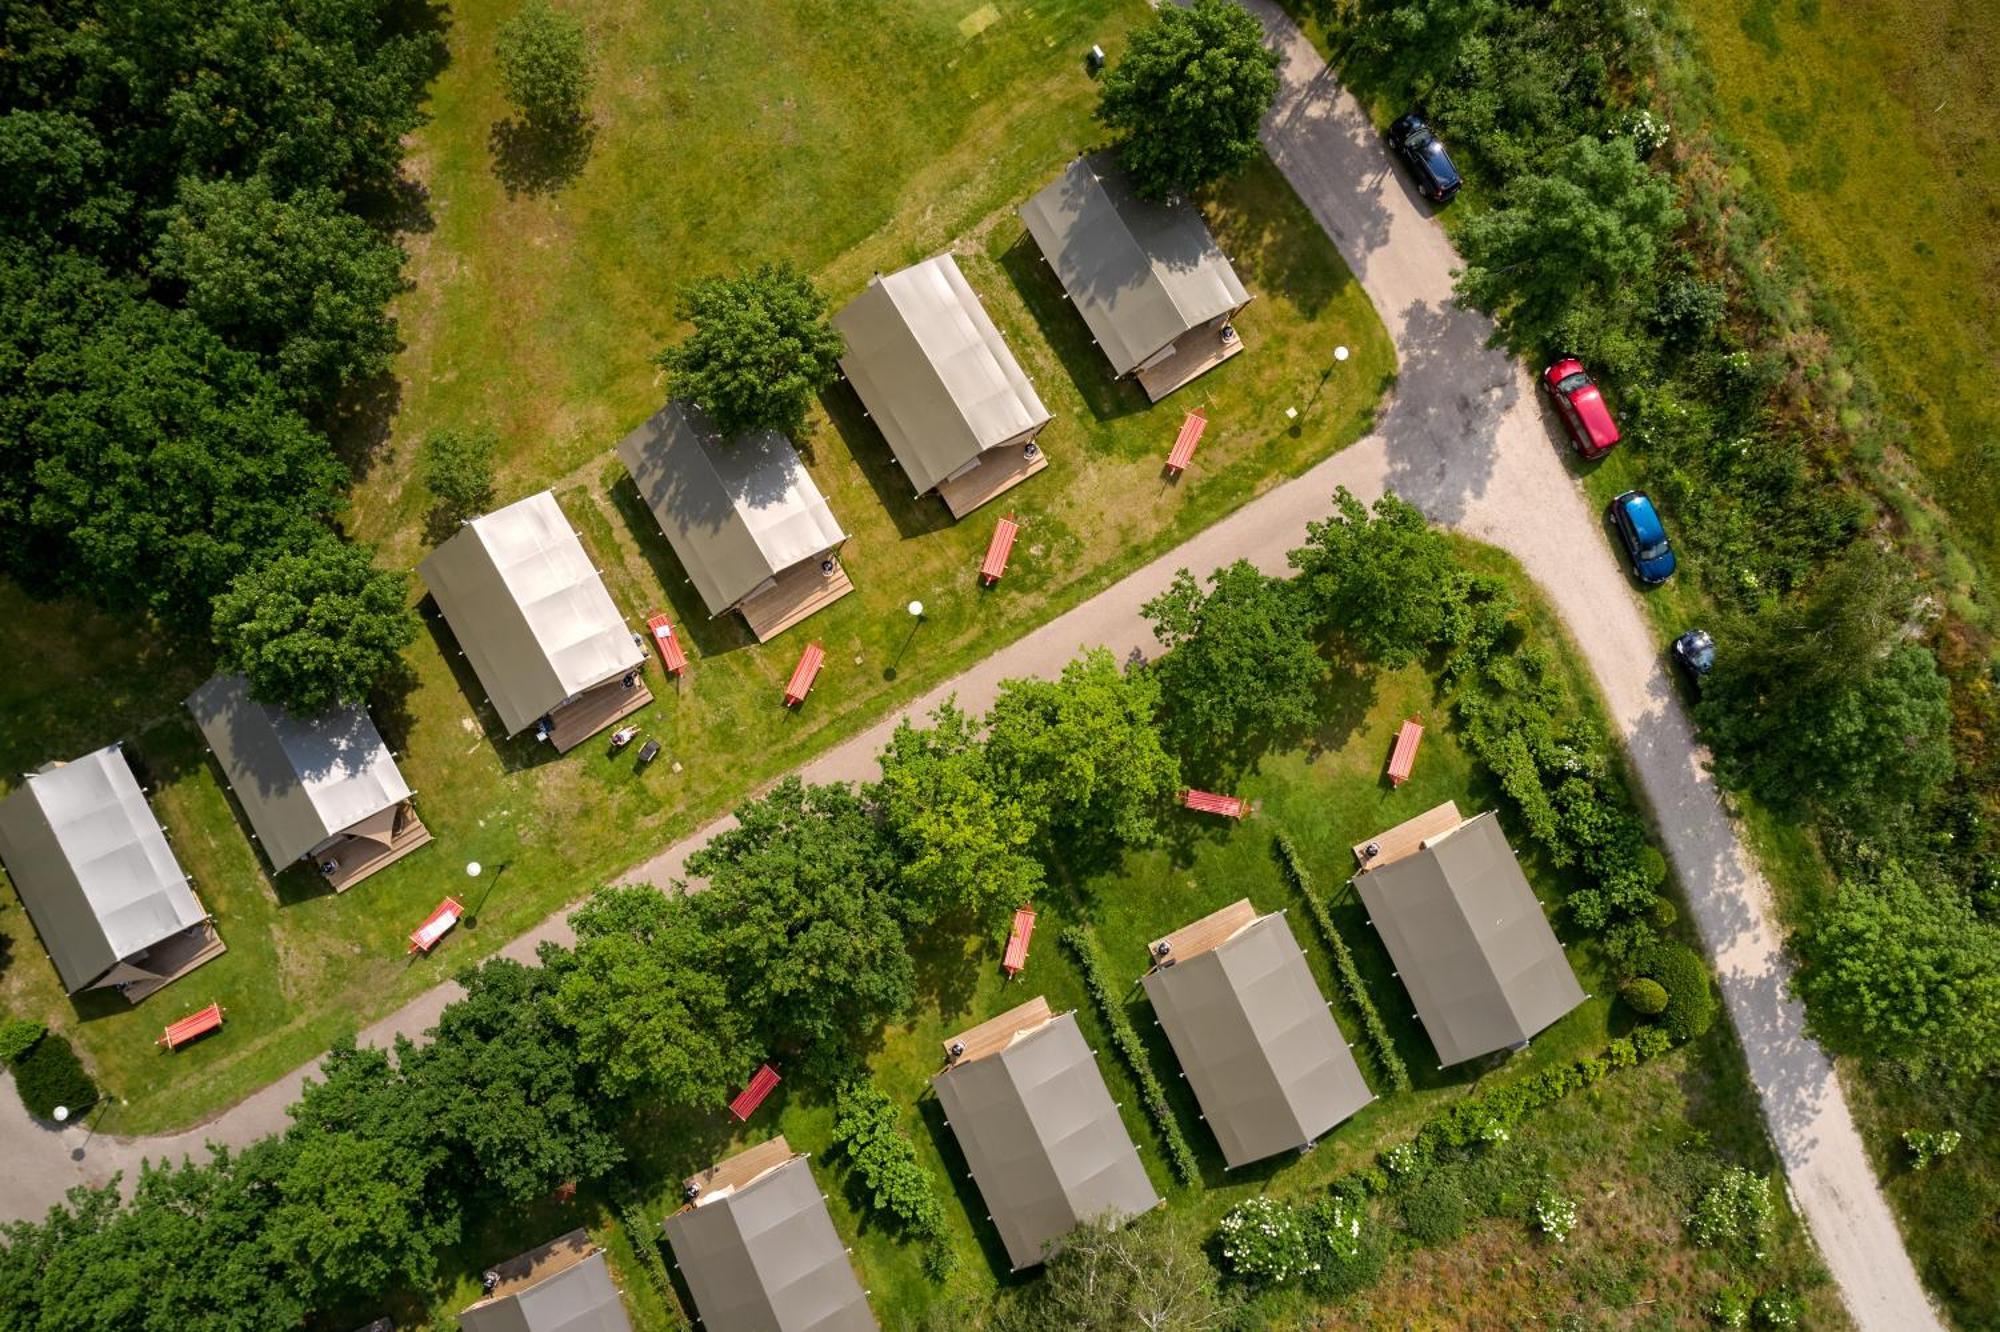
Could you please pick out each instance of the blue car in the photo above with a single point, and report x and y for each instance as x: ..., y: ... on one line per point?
x: 1639, y: 530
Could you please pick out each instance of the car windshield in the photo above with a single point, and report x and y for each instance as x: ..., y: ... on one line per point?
x: 1419, y: 138
x: 1653, y: 551
x: 1573, y: 381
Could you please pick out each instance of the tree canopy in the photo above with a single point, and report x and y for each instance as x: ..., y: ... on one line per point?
x: 457, y: 467
x: 1149, y: 1273
x: 1189, y: 95
x: 1389, y: 583
x: 545, y: 65
x: 762, y: 346
x: 1241, y: 663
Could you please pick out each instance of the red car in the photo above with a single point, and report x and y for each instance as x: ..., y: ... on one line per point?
x: 1581, y: 407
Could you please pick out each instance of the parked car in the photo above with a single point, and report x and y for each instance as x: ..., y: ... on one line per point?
x: 1437, y: 179
x: 1581, y: 407
x: 1695, y: 651
x: 1644, y: 537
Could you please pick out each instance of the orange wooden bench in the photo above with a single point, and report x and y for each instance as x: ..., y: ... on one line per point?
x: 425, y: 936
x: 180, y: 1033
x: 1017, y: 942
x: 671, y: 655
x: 998, y: 549
x: 1404, y: 756
x: 1207, y: 802
x: 752, y: 1096
x: 1183, y: 451
x: 808, y: 671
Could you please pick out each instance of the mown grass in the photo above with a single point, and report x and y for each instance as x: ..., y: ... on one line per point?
x: 848, y: 139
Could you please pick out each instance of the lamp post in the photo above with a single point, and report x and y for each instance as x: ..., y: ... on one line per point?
x: 916, y: 609
x: 62, y: 1114
x: 473, y: 869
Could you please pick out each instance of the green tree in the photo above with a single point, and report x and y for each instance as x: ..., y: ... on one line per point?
x: 961, y: 839
x: 1389, y: 583
x: 314, y: 628
x: 1189, y: 96
x: 1597, y: 220
x: 800, y: 910
x: 1903, y: 969
x: 1149, y: 1273
x: 457, y: 468
x: 298, y: 280
x: 1241, y: 662
x: 545, y: 65
x: 645, y: 996
x: 1083, y: 752
x: 762, y: 346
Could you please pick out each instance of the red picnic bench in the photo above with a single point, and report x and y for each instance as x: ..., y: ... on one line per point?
x: 1404, y: 756
x: 752, y: 1096
x: 1183, y: 451
x: 802, y: 679
x: 671, y: 656
x: 1207, y: 802
x: 1017, y: 942
x: 998, y: 549
x: 436, y: 926
x: 180, y: 1033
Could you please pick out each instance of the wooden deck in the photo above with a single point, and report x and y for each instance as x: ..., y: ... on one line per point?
x: 742, y: 1169
x: 1196, y: 353
x: 1204, y: 935
x: 169, y: 960
x: 531, y: 1269
x: 996, y: 1033
x: 355, y: 858
x: 1407, y: 837
x: 594, y: 709
x: 797, y: 593
x: 999, y: 470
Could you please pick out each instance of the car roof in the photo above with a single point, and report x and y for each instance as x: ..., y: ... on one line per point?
x: 1596, y: 417
x: 1644, y: 518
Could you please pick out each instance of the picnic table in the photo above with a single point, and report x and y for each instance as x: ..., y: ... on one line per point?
x: 1017, y: 942
x: 1208, y: 802
x: 802, y: 678
x: 1404, y: 756
x: 752, y: 1096
x: 998, y: 550
x: 671, y: 656
x: 188, y: 1028
x: 1183, y: 451
x: 425, y: 936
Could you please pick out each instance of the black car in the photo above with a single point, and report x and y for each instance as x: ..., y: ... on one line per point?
x: 1426, y: 158
x: 1695, y: 651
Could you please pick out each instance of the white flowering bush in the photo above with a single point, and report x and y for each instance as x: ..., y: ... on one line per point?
x: 1731, y: 1305
x: 1649, y: 133
x: 1926, y: 1147
x: 1265, y: 1240
x: 1346, y: 1254
x: 1778, y: 1309
x: 1406, y: 1159
x: 1736, y: 1209
x: 1555, y: 1215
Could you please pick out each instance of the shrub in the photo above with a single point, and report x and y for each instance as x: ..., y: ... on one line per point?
x: 545, y: 65
x: 1083, y: 945
x: 457, y: 467
x: 1734, y: 1211
x: 1265, y: 1241
x: 1778, y: 1308
x: 17, y: 1037
x: 1690, y: 1008
x: 865, y: 1129
x: 1346, y: 1250
x: 1434, y: 1211
x: 1731, y: 1305
x: 1555, y: 1215
x: 49, y: 1075
x: 1648, y: 998
x: 1926, y: 1147
x: 1380, y: 1043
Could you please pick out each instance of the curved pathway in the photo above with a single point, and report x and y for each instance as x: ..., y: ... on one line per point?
x: 1464, y: 438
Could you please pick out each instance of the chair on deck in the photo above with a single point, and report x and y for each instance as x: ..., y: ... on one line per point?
x: 808, y: 671
x: 188, y: 1028
x: 1017, y: 942
x: 671, y: 656
x: 1403, y: 757
x: 425, y: 936
x: 761, y: 1085
x: 997, y: 551
x: 1207, y: 802
x: 1183, y: 451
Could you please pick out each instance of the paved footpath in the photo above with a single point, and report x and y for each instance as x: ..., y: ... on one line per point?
x: 1465, y: 437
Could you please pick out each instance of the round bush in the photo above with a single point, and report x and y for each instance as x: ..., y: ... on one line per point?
x: 50, y: 1075
x: 1434, y: 1212
x: 1265, y: 1240
x: 1648, y: 998
x: 17, y: 1037
x: 1346, y: 1248
x: 1690, y: 1009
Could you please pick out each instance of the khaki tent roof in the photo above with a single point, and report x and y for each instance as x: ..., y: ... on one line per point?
x: 1045, y: 1143
x: 577, y: 1295
x: 764, y: 1257
x: 1470, y: 941
x: 529, y: 610
x: 933, y: 371
x: 738, y: 513
x: 1140, y: 273
x: 1253, y: 1034
x: 300, y: 783
x: 92, y: 866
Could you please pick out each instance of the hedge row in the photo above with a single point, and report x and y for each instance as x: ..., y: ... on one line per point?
x: 1379, y: 1040
x: 867, y: 1130
x: 1082, y: 943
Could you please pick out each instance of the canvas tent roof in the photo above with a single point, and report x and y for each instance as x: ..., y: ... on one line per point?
x: 300, y: 782
x: 933, y: 371
x: 1470, y: 941
x: 1140, y: 273
x: 529, y: 609
x: 92, y: 866
x: 1260, y: 1048
x: 1043, y: 1138
x: 764, y: 1257
x: 738, y: 513
x: 576, y: 1296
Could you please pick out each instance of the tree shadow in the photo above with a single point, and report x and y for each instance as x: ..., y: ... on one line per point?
x: 531, y: 159
x: 949, y: 957
x: 914, y: 515
x: 711, y: 636
x: 359, y: 420
x: 1268, y: 233
x: 1066, y: 333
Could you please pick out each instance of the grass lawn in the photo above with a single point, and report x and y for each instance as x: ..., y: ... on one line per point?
x: 847, y: 138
